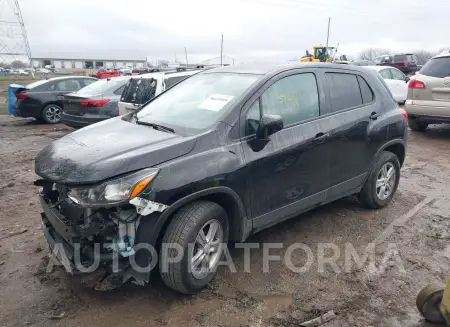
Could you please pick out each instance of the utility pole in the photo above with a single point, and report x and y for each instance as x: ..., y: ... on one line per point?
x: 221, y: 52
x: 13, y: 35
x: 328, y: 32
x: 185, y: 53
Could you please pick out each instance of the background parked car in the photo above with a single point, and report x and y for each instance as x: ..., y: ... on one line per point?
x: 96, y: 102
x: 106, y: 73
x: 142, y: 88
x: 361, y: 62
x: 428, y: 100
x: 42, y: 99
x: 406, y: 62
x: 395, y: 80
x: 124, y: 70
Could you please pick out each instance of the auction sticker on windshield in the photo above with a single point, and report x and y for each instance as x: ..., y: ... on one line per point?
x: 215, y: 102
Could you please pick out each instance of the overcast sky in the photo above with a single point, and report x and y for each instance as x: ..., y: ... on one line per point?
x: 252, y: 29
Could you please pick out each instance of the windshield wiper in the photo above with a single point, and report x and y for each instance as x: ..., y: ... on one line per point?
x: 155, y: 126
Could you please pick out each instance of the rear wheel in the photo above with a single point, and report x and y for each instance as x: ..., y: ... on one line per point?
x: 51, y: 114
x: 428, y: 302
x: 199, y: 229
x: 382, y: 181
x: 416, y: 125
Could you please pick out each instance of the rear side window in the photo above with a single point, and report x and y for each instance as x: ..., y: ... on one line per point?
x: 295, y: 98
x: 343, y: 90
x: 398, y: 58
x: 385, y: 73
x: 437, y: 67
x: 139, y: 90
x: 68, y: 85
x: 170, y: 81
x: 366, y: 91
x: 411, y: 57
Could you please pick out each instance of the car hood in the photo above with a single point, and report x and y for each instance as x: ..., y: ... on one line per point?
x: 107, y: 149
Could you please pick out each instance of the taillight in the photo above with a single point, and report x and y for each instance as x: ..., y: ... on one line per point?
x: 21, y: 95
x: 93, y: 103
x: 416, y: 84
x: 405, y: 115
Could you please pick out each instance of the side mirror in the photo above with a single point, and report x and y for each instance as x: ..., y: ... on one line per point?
x: 407, y: 79
x: 268, y: 125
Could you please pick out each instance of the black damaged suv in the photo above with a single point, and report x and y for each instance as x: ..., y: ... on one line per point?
x: 219, y: 156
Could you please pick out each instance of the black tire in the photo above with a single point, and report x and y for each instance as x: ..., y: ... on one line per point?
x: 368, y: 195
x: 51, y: 114
x: 428, y: 302
x: 183, y: 230
x: 416, y: 125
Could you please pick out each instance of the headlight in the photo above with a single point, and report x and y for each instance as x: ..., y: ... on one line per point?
x: 114, y: 191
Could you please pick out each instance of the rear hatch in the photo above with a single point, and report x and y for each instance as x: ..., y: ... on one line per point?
x: 431, y: 83
x: 138, y: 91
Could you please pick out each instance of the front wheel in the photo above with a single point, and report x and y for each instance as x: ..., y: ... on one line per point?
x: 51, y: 114
x: 382, y: 181
x: 199, y: 230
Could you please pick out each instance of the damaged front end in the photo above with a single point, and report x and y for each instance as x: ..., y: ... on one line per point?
x: 92, y: 229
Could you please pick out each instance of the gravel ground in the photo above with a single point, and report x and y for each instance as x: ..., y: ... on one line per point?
x: 412, y: 231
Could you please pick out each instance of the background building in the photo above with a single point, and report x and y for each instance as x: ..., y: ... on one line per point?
x: 87, y: 63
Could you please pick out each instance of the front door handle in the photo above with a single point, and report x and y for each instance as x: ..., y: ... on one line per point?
x: 320, y: 138
x: 374, y: 115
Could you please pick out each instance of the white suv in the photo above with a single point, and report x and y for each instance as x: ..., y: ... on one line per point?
x: 142, y: 88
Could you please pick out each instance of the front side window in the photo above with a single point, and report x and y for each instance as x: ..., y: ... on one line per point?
x: 295, y: 98
x: 198, y: 102
x: 252, y: 118
x: 343, y: 90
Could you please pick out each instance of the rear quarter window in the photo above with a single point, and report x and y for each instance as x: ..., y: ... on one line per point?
x: 437, y: 67
x: 366, y: 91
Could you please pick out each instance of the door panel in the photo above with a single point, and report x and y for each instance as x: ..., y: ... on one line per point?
x: 289, y: 172
x: 350, y: 144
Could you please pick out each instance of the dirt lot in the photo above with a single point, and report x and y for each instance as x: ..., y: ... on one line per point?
x: 416, y: 224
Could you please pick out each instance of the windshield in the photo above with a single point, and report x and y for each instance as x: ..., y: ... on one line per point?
x: 100, y: 86
x: 198, y: 102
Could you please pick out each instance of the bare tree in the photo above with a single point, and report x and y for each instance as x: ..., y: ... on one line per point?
x: 18, y: 64
x: 423, y: 56
x: 163, y: 63
x: 371, y: 53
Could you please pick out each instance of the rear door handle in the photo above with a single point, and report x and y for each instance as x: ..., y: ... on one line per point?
x: 320, y: 138
x: 374, y: 115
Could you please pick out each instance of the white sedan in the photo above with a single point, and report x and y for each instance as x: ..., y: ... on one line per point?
x: 395, y: 80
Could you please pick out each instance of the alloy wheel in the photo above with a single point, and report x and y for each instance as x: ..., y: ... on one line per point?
x: 386, y: 181
x: 207, y: 249
x: 53, y: 114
